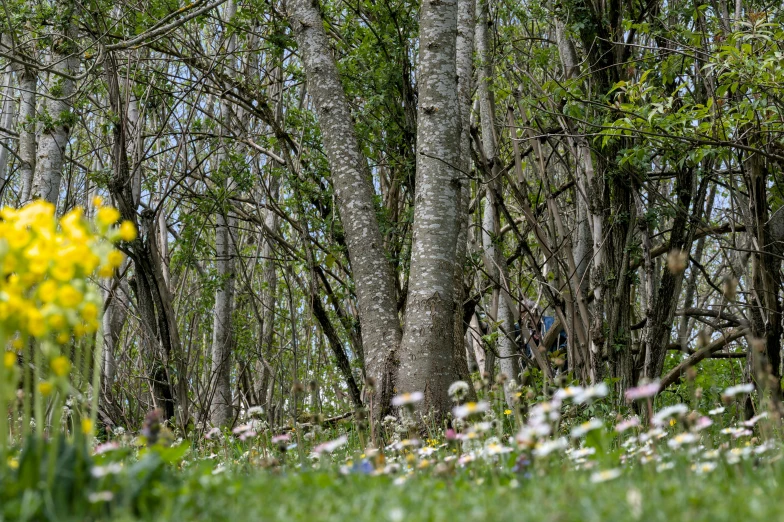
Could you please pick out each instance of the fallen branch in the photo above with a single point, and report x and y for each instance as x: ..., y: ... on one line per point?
x: 677, y: 372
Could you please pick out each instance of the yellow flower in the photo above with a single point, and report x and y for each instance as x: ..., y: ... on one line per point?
x: 87, y: 426
x: 9, y: 359
x: 115, y: 258
x: 507, y: 412
x: 57, y: 321
x: 673, y: 422
x: 68, y: 296
x: 45, y: 388
x: 63, y: 270
x: 35, y: 323
x: 13, y: 463
x: 63, y: 338
x: 60, y: 366
x: 89, y: 311
x: 127, y: 231
x: 107, y: 216
x: 47, y: 291
x: 98, y: 201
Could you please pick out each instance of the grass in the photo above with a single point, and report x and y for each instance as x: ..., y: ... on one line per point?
x: 727, y: 493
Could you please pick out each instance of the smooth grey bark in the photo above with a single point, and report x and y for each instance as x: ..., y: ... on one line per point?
x: 495, y: 263
x: 28, y: 80
x: 57, y: 107
x: 426, y: 351
x: 8, y: 110
x: 464, y: 51
x: 221, y: 413
x: 269, y: 291
x: 114, y: 317
x: 371, y: 270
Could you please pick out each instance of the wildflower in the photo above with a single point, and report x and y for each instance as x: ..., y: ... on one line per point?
x: 702, y: 423
x: 738, y: 390
x: 106, y: 447
x: 643, y: 392
x: 60, y: 366
x: 716, y: 411
x: 281, y: 441
x: 493, y: 448
x: 625, y: 424
x: 703, y: 467
x: 593, y: 392
x: 586, y: 427
x: 110, y: 469
x: 665, y: 466
x: 736, y: 433
x: 87, y: 427
x: 681, y: 439
x: 407, y: 399
x: 9, y: 359
x: 127, y: 231
x: 244, y: 432
x: 68, y: 296
x: 754, y: 420
x: 569, y: 392
x: 605, y: 475
x: 331, y: 446
x: 100, y: 496
x: 470, y: 408
x: 107, y: 216
x: 547, y: 447
x: 669, y: 411
x: 45, y: 388
x: 458, y: 390
x: 581, y: 453
x: 507, y: 412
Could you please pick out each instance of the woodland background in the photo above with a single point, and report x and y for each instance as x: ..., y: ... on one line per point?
x: 339, y: 202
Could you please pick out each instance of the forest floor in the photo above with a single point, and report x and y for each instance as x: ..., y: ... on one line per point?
x: 679, y: 493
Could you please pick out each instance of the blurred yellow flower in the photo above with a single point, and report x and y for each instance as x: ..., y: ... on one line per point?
x: 87, y: 426
x: 127, y: 231
x: 9, y: 359
x: 60, y: 366
x: 45, y: 388
x: 107, y: 216
x: 68, y: 296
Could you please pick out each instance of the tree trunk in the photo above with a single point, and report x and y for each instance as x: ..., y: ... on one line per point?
x: 221, y: 413
x: 58, y: 117
x: 427, y: 348
x: 372, y: 272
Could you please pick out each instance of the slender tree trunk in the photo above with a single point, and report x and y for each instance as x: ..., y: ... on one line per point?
x: 372, y: 272
x: 58, y: 116
x: 28, y: 80
x: 427, y: 349
x: 7, y: 112
x: 222, y: 338
x: 464, y: 50
x: 495, y: 262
